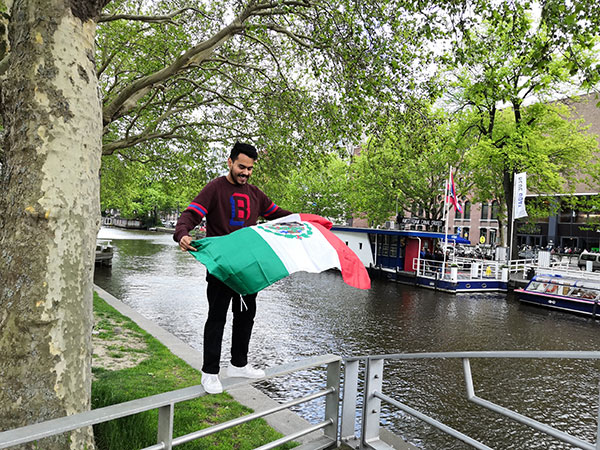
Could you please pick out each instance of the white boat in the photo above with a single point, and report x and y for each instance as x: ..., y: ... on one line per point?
x: 401, y: 255
x: 104, y: 252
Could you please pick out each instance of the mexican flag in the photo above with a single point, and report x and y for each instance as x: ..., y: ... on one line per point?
x: 252, y: 258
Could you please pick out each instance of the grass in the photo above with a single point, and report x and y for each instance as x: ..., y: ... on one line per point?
x: 159, y: 372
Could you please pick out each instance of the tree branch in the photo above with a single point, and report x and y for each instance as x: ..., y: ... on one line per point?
x: 296, y: 38
x: 121, y: 144
x: 127, y: 99
x: 148, y: 19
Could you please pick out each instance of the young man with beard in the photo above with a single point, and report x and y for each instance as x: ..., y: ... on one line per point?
x: 228, y: 203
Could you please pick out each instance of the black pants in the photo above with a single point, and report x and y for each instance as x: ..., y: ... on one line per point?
x: 219, y: 297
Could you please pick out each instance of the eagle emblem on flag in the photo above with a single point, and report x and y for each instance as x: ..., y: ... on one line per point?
x: 294, y: 230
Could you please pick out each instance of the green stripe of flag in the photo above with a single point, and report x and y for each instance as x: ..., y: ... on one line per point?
x: 242, y: 260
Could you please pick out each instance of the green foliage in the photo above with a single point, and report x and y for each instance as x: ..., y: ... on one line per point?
x: 554, y: 149
x: 504, y: 66
x: 406, y: 165
x: 294, y: 78
x: 304, y: 80
x: 318, y: 188
x: 142, y: 189
x: 163, y: 372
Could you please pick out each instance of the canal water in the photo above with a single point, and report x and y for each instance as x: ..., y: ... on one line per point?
x: 312, y: 314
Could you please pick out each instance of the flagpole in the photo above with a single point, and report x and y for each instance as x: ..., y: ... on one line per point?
x: 446, y: 214
x: 512, y: 220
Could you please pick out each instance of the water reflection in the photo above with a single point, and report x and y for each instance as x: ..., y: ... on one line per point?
x: 306, y: 315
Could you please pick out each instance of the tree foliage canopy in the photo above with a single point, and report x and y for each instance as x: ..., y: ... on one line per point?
x: 406, y: 165
x: 282, y: 72
x: 183, y: 80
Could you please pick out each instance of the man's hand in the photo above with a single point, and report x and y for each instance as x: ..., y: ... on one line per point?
x: 184, y: 243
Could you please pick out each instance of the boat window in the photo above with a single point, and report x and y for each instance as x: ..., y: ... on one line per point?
x: 533, y: 286
x: 565, y: 290
x: 541, y: 287
x: 372, y: 242
x: 551, y: 288
x: 393, y: 246
x: 577, y: 292
x: 384, y: 245
x: 588, y: 293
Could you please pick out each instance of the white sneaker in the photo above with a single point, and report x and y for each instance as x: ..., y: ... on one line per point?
x: 245, y: 372
x: 211, y: 383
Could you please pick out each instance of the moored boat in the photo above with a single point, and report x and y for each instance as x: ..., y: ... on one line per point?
x: 408, y: 257
x: 565, y: 292
x: 104, y: 252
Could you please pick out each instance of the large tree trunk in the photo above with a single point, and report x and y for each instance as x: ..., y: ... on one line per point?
x: 49, y: 204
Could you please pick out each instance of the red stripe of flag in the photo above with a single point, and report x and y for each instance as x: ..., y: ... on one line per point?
x: 353, y: 270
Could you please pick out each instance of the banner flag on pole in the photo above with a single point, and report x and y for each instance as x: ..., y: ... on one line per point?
x: 520, y: 192
x: 452, y: 195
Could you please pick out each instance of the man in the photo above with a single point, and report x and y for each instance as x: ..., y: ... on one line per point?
x: 228, y: 203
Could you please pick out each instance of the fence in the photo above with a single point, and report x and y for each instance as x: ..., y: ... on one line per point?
x: 373, y: 397
x: 466, y: 269
x: 334, y: 430
x: 165, y: 404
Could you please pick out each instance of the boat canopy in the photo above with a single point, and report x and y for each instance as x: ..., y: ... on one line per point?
x: 415, y: 234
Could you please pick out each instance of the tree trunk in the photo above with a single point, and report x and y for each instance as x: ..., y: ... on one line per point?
x: 49, y: 203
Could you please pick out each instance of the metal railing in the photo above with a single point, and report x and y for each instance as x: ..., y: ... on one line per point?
x: 467, y: 268
x: 521, y: 265
x: 333, y: 431
x: 165, y: 404
x: 373, y: 396
x: 569, y: 272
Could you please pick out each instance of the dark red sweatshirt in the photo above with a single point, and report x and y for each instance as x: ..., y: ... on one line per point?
x: 227, y: 207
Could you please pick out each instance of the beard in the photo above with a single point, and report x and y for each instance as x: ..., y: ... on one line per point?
x: 237, y: 178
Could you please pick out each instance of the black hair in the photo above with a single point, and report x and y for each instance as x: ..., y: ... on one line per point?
x: 246, y: 149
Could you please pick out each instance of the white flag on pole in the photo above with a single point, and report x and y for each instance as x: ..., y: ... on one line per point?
x: 519, y: 195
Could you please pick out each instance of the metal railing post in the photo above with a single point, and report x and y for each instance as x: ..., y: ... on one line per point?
x: 165, y: 426
x: 468, y: 378
x: 372, y: 404
x: 349, y: 399
x: 332, y: 401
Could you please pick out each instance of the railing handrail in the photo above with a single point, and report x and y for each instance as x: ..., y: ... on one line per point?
x: 373, y: 396
x: 533, y: 354
x: 577, y: 273
x: 60, y: 425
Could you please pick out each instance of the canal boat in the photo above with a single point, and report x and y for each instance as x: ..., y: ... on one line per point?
x: 104, y: 252
x: 409, y: 257
x: 563, y: 291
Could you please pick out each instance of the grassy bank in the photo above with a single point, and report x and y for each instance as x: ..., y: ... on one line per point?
x: 129, y: 363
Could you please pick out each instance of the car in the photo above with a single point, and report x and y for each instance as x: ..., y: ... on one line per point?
x: 584, y: 257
